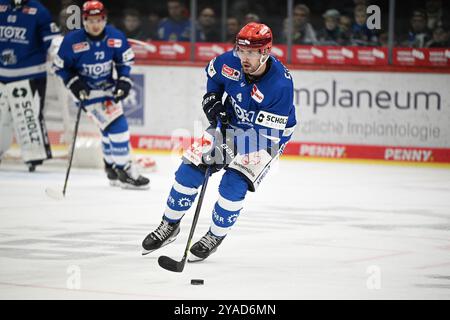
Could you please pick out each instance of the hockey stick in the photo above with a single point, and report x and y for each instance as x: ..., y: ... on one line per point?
x: 55, y: 194
x: 178, y: 266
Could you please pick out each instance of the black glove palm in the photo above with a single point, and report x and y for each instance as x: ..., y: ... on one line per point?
x: 79, y: 89
x: 122, y: 89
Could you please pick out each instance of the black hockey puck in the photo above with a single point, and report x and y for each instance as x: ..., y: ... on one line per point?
x: 197, y: 282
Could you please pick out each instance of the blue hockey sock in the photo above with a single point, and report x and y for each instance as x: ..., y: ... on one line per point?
x: 183, y: 193
x: 232, y: 191
x: 119, y: 140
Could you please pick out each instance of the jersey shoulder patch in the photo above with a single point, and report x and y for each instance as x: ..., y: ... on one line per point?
x: 211, y: 70
x: 81, y: 47
x: 114, y: 43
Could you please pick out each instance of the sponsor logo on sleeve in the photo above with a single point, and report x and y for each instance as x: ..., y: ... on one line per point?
x: 211, y: 70
x: 80, y: 47
x: 114, y: 43
x: 271, y: 120
x: 230, y: 73
x: 128, y: 55
x: 257, y: 95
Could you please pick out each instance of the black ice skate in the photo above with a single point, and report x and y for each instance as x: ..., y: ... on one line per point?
x: 33, y: 164
x: 163, y: 235
x: 111, y: 174
x: 206, y: 246
x: 130, y: 179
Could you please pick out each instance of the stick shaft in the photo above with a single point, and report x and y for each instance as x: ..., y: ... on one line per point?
x: 72, y: 149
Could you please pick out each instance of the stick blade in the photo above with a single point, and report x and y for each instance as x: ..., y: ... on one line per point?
x: 54, y: 194
x: 170, y: 264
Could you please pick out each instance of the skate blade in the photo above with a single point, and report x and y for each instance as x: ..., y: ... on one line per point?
x: 126, y: 186
x: 146, y: 252
x: 193, y: 258
x: 114, y: 183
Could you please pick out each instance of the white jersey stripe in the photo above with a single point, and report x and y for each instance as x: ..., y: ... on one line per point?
x: 19, y: 72
x: 185, y: 190
x: 229, y: 205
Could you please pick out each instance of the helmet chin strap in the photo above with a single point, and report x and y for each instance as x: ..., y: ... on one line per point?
x: 262, y: 61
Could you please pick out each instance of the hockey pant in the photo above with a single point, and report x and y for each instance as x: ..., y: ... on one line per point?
x: 22, y: 112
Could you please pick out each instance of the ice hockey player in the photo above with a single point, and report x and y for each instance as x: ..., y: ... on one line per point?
x: 85, y: 62
x: 26, y: 32
x: 259, y: 117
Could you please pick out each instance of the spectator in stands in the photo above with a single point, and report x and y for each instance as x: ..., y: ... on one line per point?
x: 176, y: 27
x: 330, y: 34
x: 440, y: 39
x: 418, y: 34
x: 132, y: 25
x: 208, y: 28
x: 251, y: 17
x: 233, y: 27
x: 303, y: 31
x: 362, y: 35
x: 383, y: 39
x: 153, y: 19
x: 435, y: 14
x: 345, y: 27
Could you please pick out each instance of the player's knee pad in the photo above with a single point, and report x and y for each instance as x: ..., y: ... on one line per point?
x: 119, y: 125
x: 233, y: 186
x: 189, y: 176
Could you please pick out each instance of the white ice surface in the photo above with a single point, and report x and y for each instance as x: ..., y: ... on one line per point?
x: 313, y: 231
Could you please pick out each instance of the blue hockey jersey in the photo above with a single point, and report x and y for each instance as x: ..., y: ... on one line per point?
x: 265, y: 107
x: 25, y: 36
x: 94, y: 61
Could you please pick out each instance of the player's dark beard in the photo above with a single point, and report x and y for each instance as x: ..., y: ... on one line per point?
x: 252, y: 79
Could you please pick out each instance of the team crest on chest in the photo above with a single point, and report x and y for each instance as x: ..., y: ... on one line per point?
x: 80, y: 47
x: 230, y: 73
x: 257, y: 95
x: 3, y: 8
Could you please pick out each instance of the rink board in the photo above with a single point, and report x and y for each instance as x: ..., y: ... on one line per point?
x: 392, y: 116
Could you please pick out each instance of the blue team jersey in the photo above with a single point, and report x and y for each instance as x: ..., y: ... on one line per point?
x: 266, y: 106
x: 25, y: 36
x: 94, y: 61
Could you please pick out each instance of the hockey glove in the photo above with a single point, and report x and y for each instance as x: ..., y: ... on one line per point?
x: 222, y: 154
x: 79, y: 89
x: 213, y: 108
x: 122, y: 89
